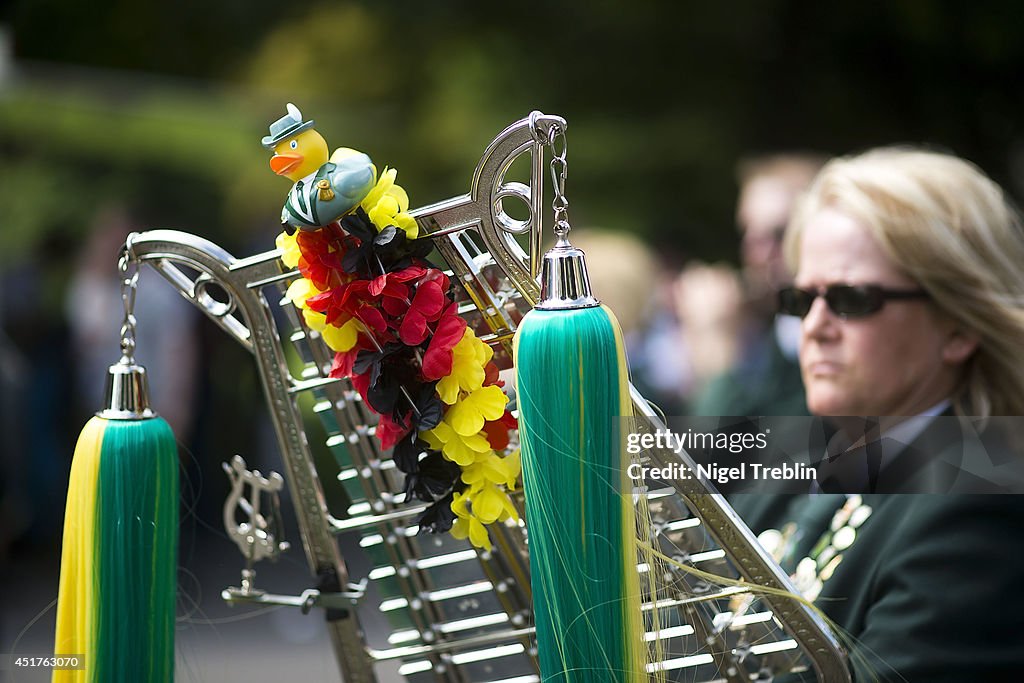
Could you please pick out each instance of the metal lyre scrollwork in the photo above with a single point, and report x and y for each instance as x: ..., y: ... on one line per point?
x: 456, y: 613
x: 261, y: 536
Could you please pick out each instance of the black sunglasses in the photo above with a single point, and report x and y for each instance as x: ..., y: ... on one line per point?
x: 846, y: 301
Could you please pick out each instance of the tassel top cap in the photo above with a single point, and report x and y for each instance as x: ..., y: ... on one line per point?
x: 564, y: 282
x: 127, y: 396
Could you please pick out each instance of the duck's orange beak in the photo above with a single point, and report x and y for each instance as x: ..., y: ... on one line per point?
x: 282, y: 164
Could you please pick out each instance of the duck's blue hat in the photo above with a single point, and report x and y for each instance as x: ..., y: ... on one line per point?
x: 287, y: 126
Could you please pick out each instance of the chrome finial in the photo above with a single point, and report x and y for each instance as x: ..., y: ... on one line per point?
x: 564, y: 282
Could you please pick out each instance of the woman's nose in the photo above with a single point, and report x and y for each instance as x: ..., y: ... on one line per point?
x: 820, y: 322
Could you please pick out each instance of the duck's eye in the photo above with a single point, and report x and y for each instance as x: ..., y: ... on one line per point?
x: 294, y: 144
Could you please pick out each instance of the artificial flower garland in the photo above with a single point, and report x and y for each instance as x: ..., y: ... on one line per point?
x: 390, y: 318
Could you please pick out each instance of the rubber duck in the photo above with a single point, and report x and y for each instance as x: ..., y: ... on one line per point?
x: 325, y: 189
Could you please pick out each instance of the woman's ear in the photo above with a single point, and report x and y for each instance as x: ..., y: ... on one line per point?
x: 959, y: 346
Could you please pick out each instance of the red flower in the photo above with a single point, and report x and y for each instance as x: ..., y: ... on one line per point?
x: 497, y: 435
x: 364, y: 299
x: 339, y: 303
x: 372, y: 318
x: 342, y: 365
x: 435, y: 275
x: 394, y: 299
x: 322, y: 251
x: 492, y: 376
x: 497, y: 430
x: 427, y: 306
x: 361, y: 383
x: 352, y: 300
x: 437, y: 361
x: 378, y: 283
x: 509, y: 420
x: 390, y: 432
x: 344, y: 360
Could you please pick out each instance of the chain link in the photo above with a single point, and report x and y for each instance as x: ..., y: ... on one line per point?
x: 554, y: 138
x: 559, y: 147
x: 129, y: 271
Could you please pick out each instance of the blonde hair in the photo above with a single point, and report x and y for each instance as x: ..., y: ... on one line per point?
x: 950, y: 228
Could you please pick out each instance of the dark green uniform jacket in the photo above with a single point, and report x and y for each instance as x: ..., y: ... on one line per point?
x: 930, y: 586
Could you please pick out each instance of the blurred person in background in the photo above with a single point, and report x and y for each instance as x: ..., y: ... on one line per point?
x: 36, y: 414
x: 13, y: 380
x: 626, y: 276
x: 166, y: 337
x: 911, y: 299
x: 744, y: 357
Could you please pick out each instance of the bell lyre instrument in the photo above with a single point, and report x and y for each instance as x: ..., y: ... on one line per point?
x: 457, y: 613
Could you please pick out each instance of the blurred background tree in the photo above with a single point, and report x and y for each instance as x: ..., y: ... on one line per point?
x: 165, y: 106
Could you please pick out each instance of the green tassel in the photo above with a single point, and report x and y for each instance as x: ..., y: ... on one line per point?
x: 137, y: 550
x: 571, y: 391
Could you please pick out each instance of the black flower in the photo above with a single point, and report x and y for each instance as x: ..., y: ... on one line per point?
x: 380, y: 252
x: 407, y: 453
x: 391, y: 368
x: 434, y: 478
x: 438, y: 518
x: 429, y: 408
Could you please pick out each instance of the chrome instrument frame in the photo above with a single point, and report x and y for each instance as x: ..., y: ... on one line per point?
x: 500, y: 282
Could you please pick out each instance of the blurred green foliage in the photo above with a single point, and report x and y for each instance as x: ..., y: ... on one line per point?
x: 165, y: 107
x: 162, y: 108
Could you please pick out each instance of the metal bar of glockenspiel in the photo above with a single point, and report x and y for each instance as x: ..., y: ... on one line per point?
x: 343, y: 525
x: 449, y: 645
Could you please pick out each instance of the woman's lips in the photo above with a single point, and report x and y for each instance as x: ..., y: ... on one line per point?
x: 823, y: 368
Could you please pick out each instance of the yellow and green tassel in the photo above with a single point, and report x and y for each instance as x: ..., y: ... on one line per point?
x: 119, y: 557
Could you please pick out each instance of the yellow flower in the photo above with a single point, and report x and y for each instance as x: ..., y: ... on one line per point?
x: 342, y: 338
x: 289, y: 247
x: 468, y: 526
x: 461, y: 449
x: 316, y: 321
x: 469, y: 357
x: 406, y: 222
x: 491, y: 504
x: 514, y: 465
x: 300, y: 290
x: 297, y: 293
x: 493, y: 469
x: 468, y: 415
x: 482, y: 504
x: 387, y: 204
x: 382, y: 187
x: 485, y: 477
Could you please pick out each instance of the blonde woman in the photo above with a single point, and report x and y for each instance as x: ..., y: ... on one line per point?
x: 909, y: 282
x: 945, y: 251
